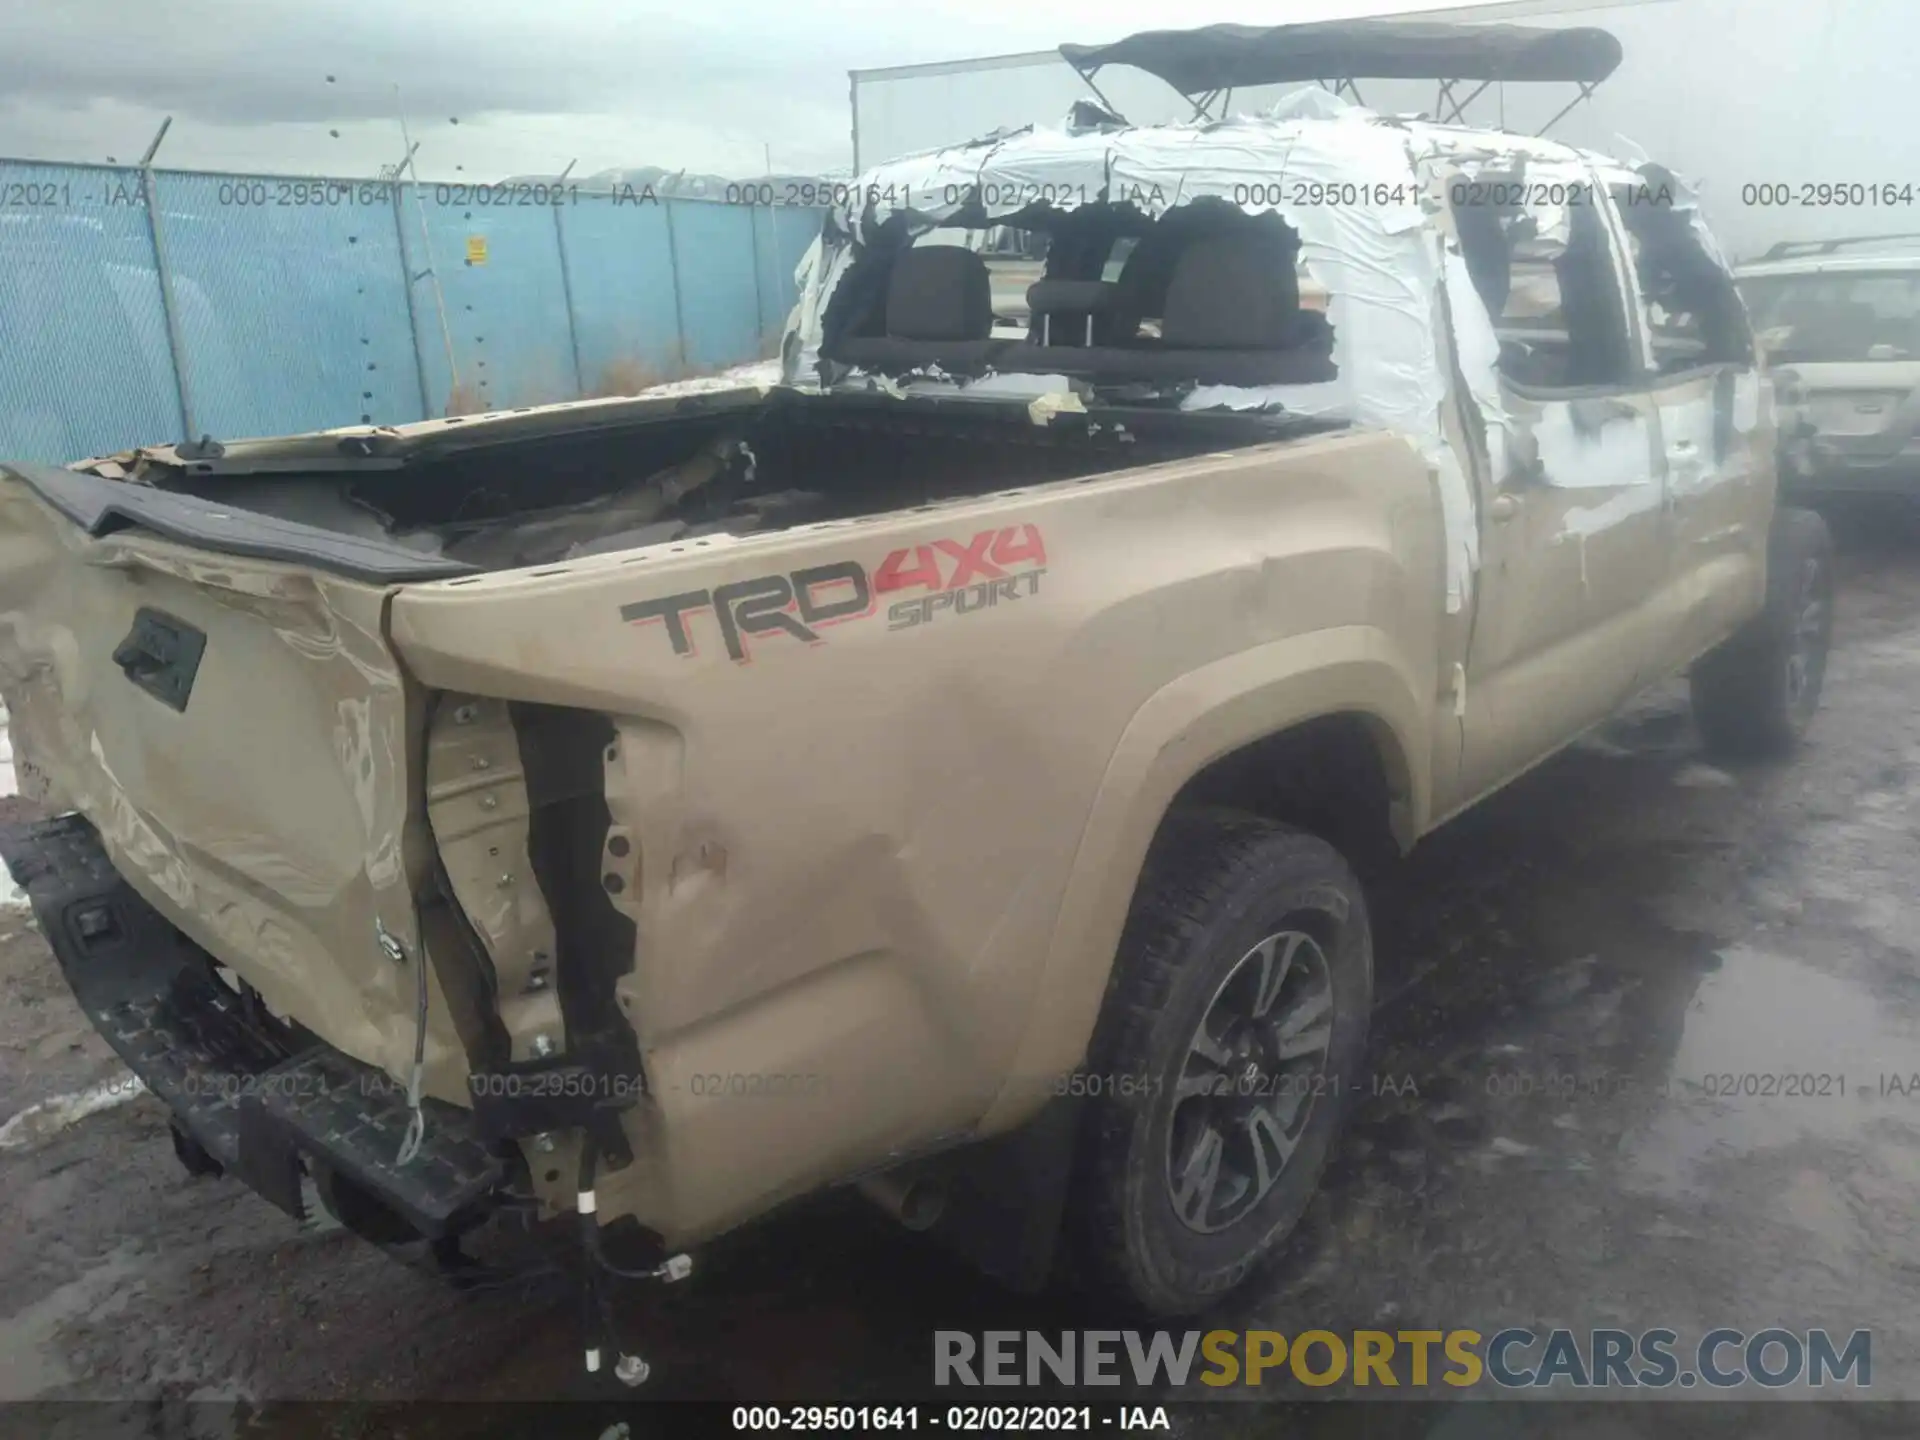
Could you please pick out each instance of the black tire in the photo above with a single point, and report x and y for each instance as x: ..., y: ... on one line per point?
x: 1756, y: 695
x: 1216, y: 887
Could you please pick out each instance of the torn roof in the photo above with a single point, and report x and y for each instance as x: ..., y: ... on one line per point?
x: 1355, y: 186
x: 1220, y: 57
x: 1241, y: 160
x: 1351, y: 185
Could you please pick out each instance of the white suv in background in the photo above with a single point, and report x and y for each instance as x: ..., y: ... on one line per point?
x: 1839, y: 321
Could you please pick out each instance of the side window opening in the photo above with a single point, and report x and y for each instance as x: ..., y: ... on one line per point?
x: 1204, y: 293
x: 1556, y: 304
x: 1694, y: 314
x: 1205, y: 276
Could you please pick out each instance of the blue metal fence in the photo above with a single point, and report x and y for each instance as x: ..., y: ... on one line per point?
x: 138, y: 307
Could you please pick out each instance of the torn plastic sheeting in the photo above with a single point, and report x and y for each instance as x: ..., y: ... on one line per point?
x: 1015, y: 386
x: 1383, y: 306
x: 1329, y: 399
x: 1688, y: 430
x: 1180, y: 162
x: 1043, y: 408
x: 1381, y: 263
x: 1536, y: 188
x: 1086, y: 116
x: 1377, y: 262
x: 1686, y: 199
x: 1057, y: 390
x: 1310, y: 102
x: 933, y: 184
x: 1631, y: 501
x: 1614, y: 454
x: 1746, y: 402
x: 1476, y: 348
x: 11, y: 895
x: 814, y: 280
x: 1631, y: 151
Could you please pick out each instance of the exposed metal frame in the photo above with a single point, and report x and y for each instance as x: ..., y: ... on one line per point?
x: 169, y: 306
x: 1350, y: 85
x: 1496, y: 10
x: 1587, y: 88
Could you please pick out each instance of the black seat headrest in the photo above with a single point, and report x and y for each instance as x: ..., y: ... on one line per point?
x: 1237, y: 291
x: 939, y: 292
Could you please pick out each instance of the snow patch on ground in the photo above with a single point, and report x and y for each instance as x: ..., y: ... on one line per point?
x: 760, y: 372
x: 50, y: 1117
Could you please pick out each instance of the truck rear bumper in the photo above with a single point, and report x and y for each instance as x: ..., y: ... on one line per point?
x: 270, y: 1109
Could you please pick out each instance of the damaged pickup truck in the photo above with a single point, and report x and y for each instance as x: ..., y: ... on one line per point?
x: 949, y: 772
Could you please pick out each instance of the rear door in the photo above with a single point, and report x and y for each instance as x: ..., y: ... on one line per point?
x: 1716, y: 436
x: 1574, y: 545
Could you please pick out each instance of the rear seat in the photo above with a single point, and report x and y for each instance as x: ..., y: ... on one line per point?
x: 1232, y: 317
x: 939, y: 311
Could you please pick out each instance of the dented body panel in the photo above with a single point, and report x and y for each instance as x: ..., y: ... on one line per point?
x: 877, y: 869
x: 272, y: 820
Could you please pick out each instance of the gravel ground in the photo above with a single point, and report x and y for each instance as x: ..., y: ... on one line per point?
x: 1608, y: 935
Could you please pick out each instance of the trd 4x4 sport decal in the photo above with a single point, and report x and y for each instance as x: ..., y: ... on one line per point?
x: 949, y: 576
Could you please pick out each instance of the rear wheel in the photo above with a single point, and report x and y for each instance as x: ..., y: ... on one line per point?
x: 1229, y: 1046
x: 1757, y: 694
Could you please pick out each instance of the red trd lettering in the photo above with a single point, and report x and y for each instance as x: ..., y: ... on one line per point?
x: 1011, y: 546
x: 892, y: 574
x: 970, y: 559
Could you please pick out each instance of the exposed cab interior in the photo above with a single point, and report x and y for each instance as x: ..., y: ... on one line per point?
x: 1202, y: 294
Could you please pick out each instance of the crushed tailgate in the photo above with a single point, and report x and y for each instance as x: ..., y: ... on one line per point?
x: 240, y: 735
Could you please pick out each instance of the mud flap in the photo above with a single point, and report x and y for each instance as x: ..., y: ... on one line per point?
x: 1005, y: 1197
x: 256, y: 1104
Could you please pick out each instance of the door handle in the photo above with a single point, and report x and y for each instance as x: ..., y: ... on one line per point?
x: 1504, y: 508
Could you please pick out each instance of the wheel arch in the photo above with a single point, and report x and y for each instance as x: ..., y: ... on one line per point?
x: 1347, y: 686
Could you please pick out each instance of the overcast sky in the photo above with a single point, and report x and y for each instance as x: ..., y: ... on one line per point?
x: 532, y: 83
